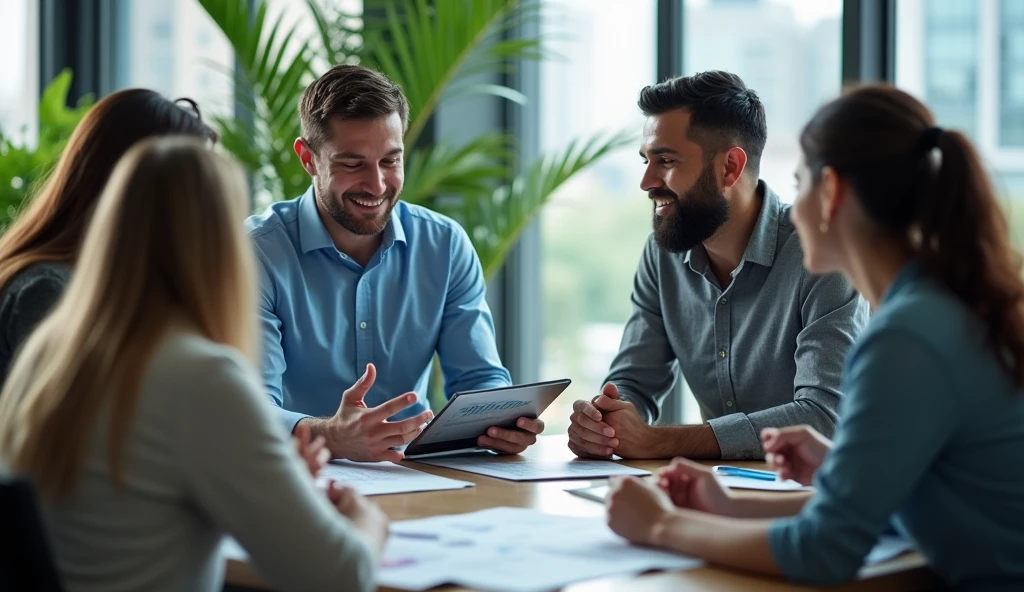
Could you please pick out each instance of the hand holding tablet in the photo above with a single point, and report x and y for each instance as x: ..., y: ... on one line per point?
x: 468, y: 416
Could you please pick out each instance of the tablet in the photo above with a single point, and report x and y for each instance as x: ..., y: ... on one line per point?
x: 467, y: 416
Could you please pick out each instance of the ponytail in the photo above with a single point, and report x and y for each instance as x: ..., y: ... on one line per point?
x: 964, y: 243
x: 929, y: 186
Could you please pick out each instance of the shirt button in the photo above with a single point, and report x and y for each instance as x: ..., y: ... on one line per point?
x: 721, y: 354
x: 362, y: 325
x: 728, y: 403
x: 723, y: 301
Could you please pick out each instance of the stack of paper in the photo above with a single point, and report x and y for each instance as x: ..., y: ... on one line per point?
x: 513, y: 550
x: 525, y: 469
x: 384, y: 477
x: 745, y: 483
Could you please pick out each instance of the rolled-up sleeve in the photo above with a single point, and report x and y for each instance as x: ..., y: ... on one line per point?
x: 833, y: 315
x: 875, y: 461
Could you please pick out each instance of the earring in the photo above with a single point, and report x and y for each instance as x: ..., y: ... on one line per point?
x: 823, y: 227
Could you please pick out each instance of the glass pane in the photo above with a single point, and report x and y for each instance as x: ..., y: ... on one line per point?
x: 788, y: 51
x: 19, y: 78
x: 174, y: 48
x: 594, y: 229
x: 966, y: 61
x: 937, y: 58
x: 1011, y: 83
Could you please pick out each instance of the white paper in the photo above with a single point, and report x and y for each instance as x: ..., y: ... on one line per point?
x: 888, y: 547
x: 513, y: 550
x: 230, y: 549
x: 747, y: 483
x: 384, y: 477
x: 534, y: 470
x: 597, y: 493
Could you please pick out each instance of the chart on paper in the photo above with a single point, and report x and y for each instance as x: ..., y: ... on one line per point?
x: 513, y: 550
x: 383, y: 478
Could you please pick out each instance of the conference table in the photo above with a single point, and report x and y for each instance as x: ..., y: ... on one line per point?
x: 906, y: 572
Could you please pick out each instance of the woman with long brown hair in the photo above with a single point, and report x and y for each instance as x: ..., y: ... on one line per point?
x: 135, y: 410
x: 39, y: 249
x: 931, y: 433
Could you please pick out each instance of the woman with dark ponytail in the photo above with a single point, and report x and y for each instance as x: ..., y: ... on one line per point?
x: 931, y: 434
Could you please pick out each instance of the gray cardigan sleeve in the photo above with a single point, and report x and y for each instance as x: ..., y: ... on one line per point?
x: 244, y: 474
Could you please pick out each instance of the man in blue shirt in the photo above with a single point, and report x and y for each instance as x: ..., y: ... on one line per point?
x: 354, y: 280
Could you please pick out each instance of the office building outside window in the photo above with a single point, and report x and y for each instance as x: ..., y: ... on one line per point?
x: 174, y: 48
x: 966, y: 61
x: 593, y: 231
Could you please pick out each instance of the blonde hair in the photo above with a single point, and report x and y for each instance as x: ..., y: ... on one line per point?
x: 166, y: 242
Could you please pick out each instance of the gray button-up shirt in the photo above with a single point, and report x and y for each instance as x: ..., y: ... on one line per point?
x: 767, y: 351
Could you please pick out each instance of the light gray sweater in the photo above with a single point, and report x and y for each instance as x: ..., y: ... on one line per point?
x: 205, y: 457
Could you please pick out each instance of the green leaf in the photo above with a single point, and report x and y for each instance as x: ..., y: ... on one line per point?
x: 426, y: 47
x: 494, y: 90
x: 468, y: 171
x: 24, y: 168
x: 432, y: 49
x: 494, y: 222
x: 275, y: 63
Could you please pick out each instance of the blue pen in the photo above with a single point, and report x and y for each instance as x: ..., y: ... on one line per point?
x: 746, y: 473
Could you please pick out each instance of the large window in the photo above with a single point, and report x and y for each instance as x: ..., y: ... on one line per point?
x: 19, y: 77
x: 594, y: 230
x: 173, y: 47
x: 965, y: 60
x: 786, y: 50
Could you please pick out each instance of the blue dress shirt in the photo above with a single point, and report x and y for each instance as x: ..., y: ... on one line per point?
x: 323, y: 317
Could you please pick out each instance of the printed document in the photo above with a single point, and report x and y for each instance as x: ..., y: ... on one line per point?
x: 524, y: 469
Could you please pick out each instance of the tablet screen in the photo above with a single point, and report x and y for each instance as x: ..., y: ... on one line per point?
x: 467, y: 415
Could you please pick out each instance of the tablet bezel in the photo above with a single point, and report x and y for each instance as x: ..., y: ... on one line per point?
x: 470, y: 443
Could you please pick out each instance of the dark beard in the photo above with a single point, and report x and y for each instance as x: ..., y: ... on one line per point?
x: 696, y: 217
x: 364, y: 225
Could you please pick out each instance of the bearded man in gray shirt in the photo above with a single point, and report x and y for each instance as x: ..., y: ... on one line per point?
x: 720, y: 294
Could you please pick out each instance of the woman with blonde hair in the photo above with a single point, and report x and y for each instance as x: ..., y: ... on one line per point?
x: 135, y: 410
x: 39, y: 249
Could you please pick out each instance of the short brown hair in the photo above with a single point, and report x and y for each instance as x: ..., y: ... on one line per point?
x: 724, y: 112
x: 348, y: 92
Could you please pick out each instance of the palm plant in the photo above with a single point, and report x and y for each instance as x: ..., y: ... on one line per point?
x: 24, y: 167
x: 433, y: 49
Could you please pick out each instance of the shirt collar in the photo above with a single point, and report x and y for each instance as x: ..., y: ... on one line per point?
x: 313, y: 234
x: 761, y: 246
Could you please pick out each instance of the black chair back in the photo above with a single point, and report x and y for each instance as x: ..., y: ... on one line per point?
x: 25, y: 559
